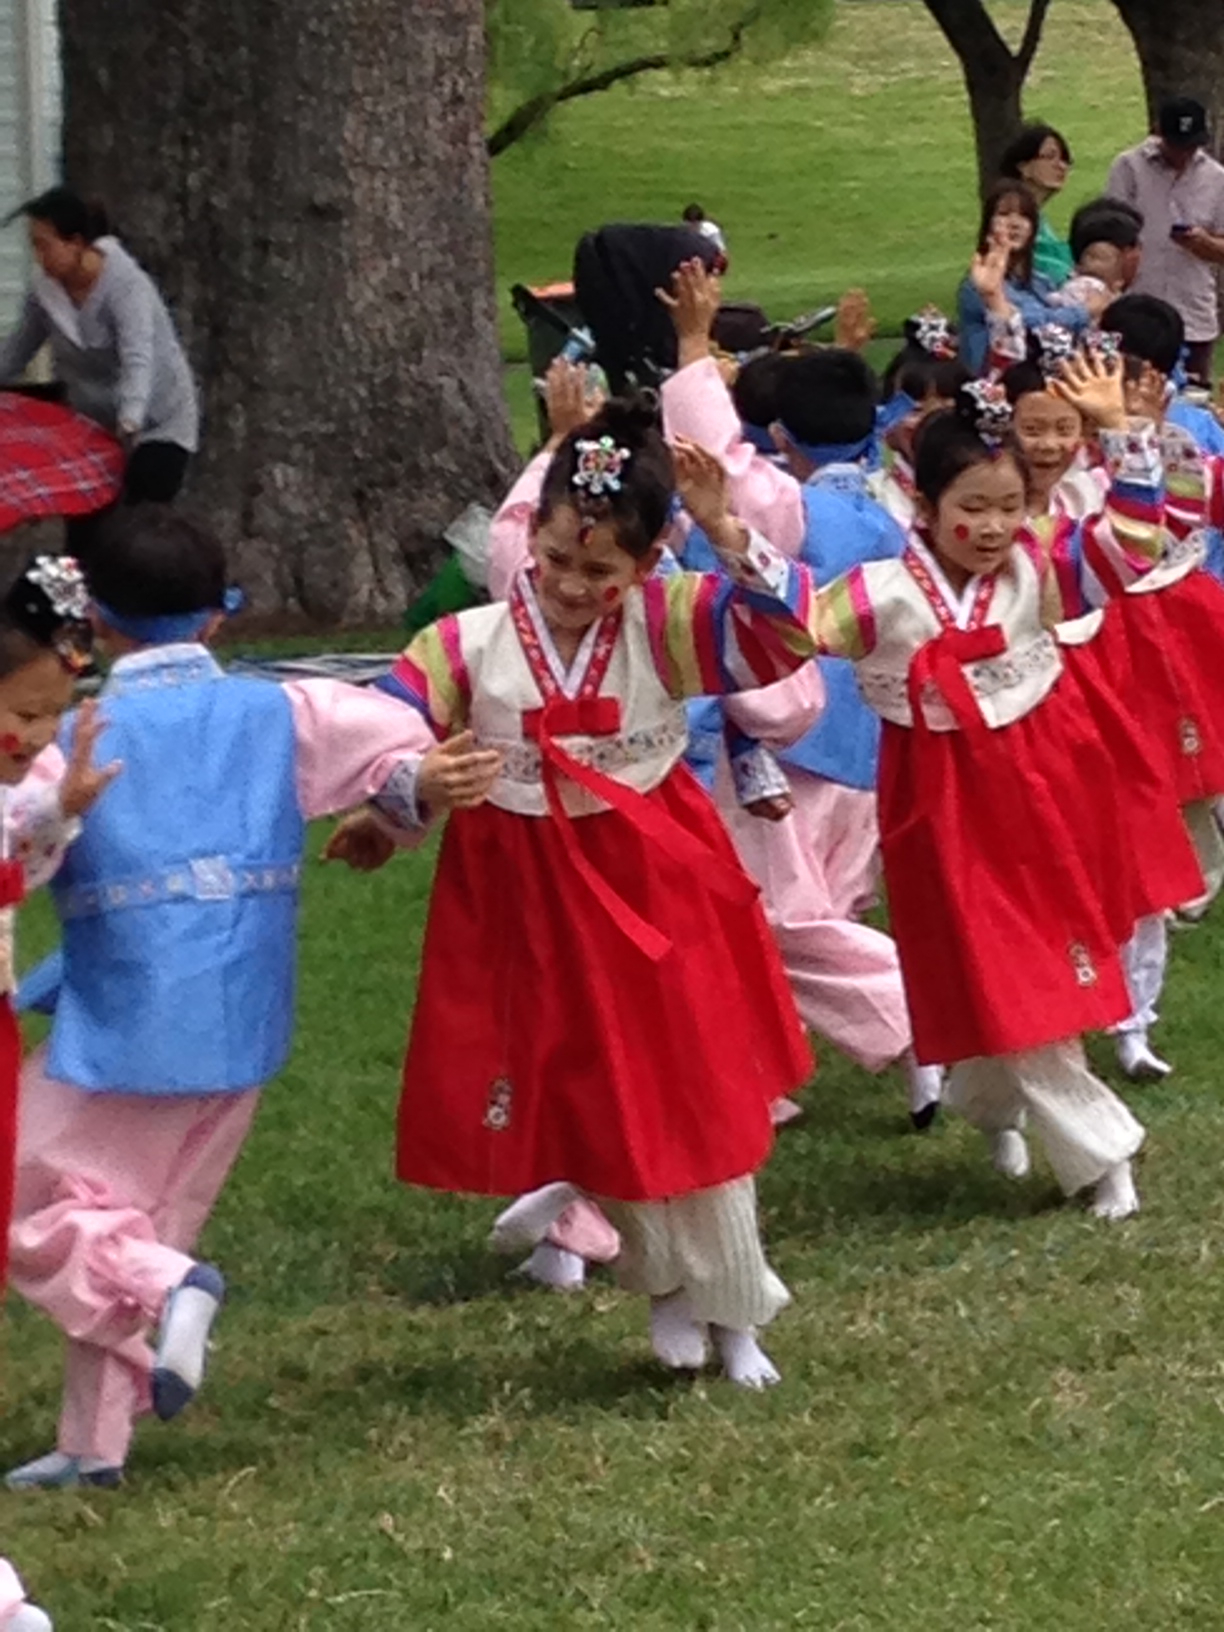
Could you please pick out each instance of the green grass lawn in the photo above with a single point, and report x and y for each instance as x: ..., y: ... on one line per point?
x: 996, y: 1414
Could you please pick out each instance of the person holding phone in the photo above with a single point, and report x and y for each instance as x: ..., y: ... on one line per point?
x: 1179, y: 190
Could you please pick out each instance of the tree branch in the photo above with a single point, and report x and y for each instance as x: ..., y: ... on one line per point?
x: 969, y: 29
x: 1032, y: 36
x: 537, y: 108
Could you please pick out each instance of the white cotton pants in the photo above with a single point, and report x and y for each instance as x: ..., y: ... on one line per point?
x: 707, y: 1244
x: 1082, y: 1125
x: 1145, y: 958
x: 1204, y: 819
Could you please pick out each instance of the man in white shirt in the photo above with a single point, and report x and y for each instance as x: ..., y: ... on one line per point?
x: 1179, y: 190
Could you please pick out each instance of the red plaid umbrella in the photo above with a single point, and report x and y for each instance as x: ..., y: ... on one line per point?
x: 53, y: 462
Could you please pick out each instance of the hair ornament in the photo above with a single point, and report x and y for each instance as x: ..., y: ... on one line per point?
x: 1053, y: 345
x: 1104, y: 345
x: 990, y: 411
x: 931, y: 331
x: 62, y: 583
x: 601, y: 465
x: 51, y: 603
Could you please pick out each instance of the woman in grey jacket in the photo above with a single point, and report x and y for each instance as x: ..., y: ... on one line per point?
x: 115, y: 351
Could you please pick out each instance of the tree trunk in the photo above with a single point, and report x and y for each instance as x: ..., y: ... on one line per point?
x: 994, y: 75
x: 1180, y: 45
x: 309, y: 186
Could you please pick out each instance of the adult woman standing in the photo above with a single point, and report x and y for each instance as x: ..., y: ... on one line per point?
x: 115, y: 351
x: 1040, y: 158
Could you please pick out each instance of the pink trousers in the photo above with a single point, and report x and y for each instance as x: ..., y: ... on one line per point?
x: 845, y: 976
x: 112, y: 1191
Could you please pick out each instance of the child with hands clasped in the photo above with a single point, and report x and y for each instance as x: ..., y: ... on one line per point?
x: 600, y: 999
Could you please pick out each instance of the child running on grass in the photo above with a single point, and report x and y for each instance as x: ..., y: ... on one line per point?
x: 179, y: 911
x: 600, y: 998
x: 44, y: 645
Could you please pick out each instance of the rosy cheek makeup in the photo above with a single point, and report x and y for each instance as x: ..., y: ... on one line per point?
x: 10, y: 744
x: 610, y: 595
x: 961, y: 532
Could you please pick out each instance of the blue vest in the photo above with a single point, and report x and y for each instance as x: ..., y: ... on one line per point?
x: 179, y: 900
x: 844, y: 528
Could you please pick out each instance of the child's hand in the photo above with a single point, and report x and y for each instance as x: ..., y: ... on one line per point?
x: 1093, y: 385
x: 456, y: 775
x: 361, y: 842
x: 776, y: 808
x: 1145, y: 396
x: 701, y: 482
x: 693, y: 302
x: 568, y: 400
x: 988, y: 275
x: 855, y: 323
x: 84, y: 782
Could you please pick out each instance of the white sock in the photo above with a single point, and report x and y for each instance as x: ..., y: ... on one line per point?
x: 554, y: 1266
x: 1137, y: 1059
x: 1115, y: 1196
x: 743, y: 1359
x: 182, y: 1346
x: 784, y: 1110
x: 924, y: 1083
x: 525, y: 1222
x: 676, y: 1336
x: 28, y: 1619
x: 1010, y: 1154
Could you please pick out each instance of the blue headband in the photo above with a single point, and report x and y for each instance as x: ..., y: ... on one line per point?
x: 892, y: 412
x: 836, y: 453
x: 172, y: 628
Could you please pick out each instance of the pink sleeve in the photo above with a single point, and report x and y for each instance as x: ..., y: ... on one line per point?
x: 510, y: 535
x: 780, y: 714
x: 697, y: 404
x: 38, y: 832
x: 350, y: 741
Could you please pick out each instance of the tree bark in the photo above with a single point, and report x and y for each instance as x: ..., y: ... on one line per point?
x: 1180, y: 45
x: 994, y: 74
x: 309, y: 186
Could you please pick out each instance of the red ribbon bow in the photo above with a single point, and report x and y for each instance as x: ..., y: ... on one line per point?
x: 599, y: 717
x: 941, y: 663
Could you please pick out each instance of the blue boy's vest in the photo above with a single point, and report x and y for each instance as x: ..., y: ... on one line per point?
x: 179, y: 900
x: 844, y: 529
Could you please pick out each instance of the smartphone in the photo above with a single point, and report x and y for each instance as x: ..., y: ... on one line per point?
x: 1179, y: 229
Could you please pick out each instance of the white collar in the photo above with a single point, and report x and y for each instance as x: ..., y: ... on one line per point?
x: 569, y: 680
x: 961, y: 606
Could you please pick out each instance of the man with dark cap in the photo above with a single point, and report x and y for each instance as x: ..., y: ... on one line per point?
x: 1178, y: 188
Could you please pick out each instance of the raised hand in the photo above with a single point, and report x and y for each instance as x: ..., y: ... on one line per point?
x: 84, y: 782
x: 1093, y: 385
x: 988, y: 275
x: 361, y: 842
x: 693, y: 301
x: 855, y: 322
x: 704, y: 489
x: 1145, y: 395
x: 569, y: 398
x: 456, y: 775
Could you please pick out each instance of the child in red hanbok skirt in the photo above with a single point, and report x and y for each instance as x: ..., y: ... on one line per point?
x: 44, y: 644
x: 999, y: 800
x: 600, y: 1000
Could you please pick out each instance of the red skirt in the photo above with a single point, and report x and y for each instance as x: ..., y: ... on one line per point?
x: 10, y: 1077
x: 1165, y: 654
x: 1154, y: 867
x: 995, y: 846
x: 545, y: 1045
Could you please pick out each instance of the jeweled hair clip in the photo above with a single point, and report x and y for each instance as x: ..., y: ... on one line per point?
x: 600, y: 468
x: 992, y: 413
x: 1053, y: 345
x: 932, y: 331
x: 62, y: 582
x: 1103, y: 344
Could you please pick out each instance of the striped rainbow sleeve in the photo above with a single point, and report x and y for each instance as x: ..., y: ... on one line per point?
x: 431, y: 676
x: 712, y: 634
x: 1132, y: 525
